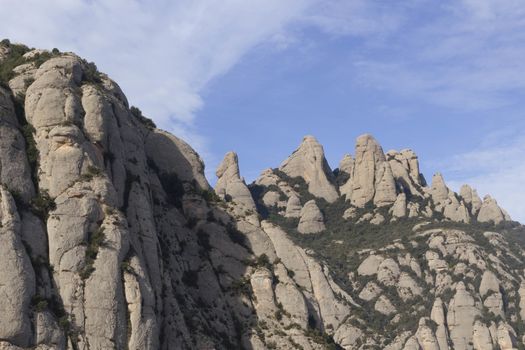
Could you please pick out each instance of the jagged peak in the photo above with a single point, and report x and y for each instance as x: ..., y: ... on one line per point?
x: 346, y: 165
x: 231, y: 184
x: 229, y: 166
x: 308, y: 161
x: 438, y: 188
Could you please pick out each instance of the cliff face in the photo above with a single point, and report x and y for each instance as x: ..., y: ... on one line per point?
x: 111, y: 237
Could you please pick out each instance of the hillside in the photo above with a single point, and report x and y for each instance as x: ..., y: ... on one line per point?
x: 112, y: 238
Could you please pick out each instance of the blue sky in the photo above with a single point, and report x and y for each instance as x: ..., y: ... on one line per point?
x: 445, y: 78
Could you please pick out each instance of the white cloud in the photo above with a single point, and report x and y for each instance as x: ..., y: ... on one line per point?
x: 163, y: 53
x: 466, y: 56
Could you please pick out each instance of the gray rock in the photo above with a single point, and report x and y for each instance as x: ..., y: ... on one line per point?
x: 490, y: 211
x: 308, y: 162
x: 372, y: 178
x: 230, y: 183
x: 311, y: 220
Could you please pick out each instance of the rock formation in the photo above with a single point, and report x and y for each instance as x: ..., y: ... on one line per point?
x: 309, y: 163
x: 312, y: 220
x: 112, y: 238
x: 230, y: 184
x: 372, y: 178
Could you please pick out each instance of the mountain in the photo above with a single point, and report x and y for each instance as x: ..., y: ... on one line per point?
x: 112, y: 238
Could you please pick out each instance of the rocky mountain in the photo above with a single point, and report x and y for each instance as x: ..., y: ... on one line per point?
x: 112, y: 238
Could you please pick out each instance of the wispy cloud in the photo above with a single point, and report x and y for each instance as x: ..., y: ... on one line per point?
x: 466, y: 55
x: 162, y: 52
x: 496, y: 167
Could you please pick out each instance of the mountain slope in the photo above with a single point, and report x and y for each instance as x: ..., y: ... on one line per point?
x: 111, y: 237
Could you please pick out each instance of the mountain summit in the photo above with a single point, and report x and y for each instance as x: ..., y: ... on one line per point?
x: 112, y: 238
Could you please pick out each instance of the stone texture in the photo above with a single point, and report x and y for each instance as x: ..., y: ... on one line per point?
x: 230, y: 183
x: 471, y: 197
x: 308, y: 162
x: 399, y: 209
x: 439, y: 190
x: 14, y: 167
x: 490, y: 211
x: 293, y: 207
x: 140, y: 255
x: 346, y: 165
x: 372, y: 178
x: 384, y: 306
x: 370, y: 265
x: 462, y: 312
x: 311, y: 220
x: 17, y: 280
x: 405, y: 168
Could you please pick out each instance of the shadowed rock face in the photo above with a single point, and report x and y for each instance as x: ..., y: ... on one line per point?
x: 111, y: 238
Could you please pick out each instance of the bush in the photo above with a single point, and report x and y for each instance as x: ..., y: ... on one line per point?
x: 210, y: 196
x: 137, y: 113
x: 42, y: 204
x: 90, y: 73
x: 13, y: 59
x: 235, y: 235
x: 95, y: 241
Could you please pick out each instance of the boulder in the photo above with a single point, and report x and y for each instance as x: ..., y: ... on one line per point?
x: 293, y: 207
x: 490, y: 211
x: 370, y: 265
x: 384, y: 306
x: 399, y: 209
x: 311, y: 220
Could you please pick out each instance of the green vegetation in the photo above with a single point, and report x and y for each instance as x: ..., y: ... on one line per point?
x: 95, y: 241
x: 137, y: 113
x: 236, y: 236
x: 15, y: 57
x: 91, y: 172
x: 242, y: 286
x: 39, y: 303
x: 90, y: 73
x: 42, y: 204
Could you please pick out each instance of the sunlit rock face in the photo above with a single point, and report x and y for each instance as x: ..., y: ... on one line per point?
x: 112, y: 238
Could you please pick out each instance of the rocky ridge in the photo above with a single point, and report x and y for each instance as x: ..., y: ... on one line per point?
x: 112, y: 238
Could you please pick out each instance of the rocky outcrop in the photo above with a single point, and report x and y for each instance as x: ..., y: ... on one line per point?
x: 490, y: 211
x: 346, y: 165
x: 399, y: 209
x: 308, y: 161
x: 405, y: 168
x: 372, y: 178
x: 293, y: 207
x: 17, y: 280
x: 14, y: 167
x: 462, y: 312
x: 311, y: 220
x: 439, y: 190
x: 471, y: 198
x: 111, y: 237
x: 230, y: 184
